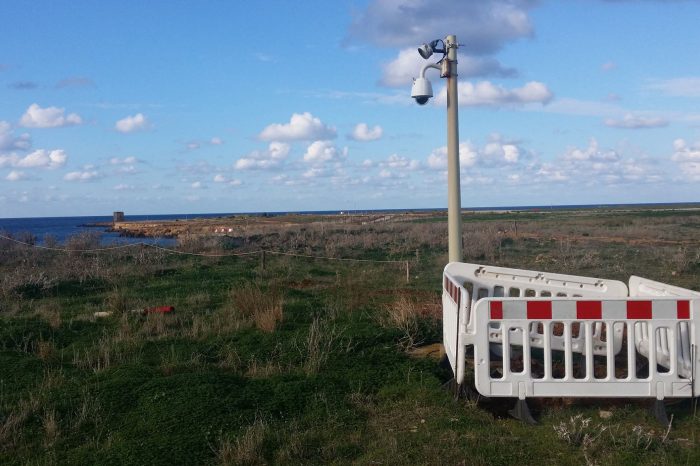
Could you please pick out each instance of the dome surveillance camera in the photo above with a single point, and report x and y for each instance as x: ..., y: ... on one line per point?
x: 421, y: 90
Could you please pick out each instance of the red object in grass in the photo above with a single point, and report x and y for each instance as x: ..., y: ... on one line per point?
x: 160, y: 309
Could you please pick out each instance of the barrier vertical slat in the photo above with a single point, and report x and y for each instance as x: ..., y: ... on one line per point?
x: 589, y: 350
x: 506, y: 350
x: 631, y: 351
x: 664, y: 342
x: 547, y: 328
x: 672, y: 351
x: 461, y: 355
x: 684, y: 355
x: 568, y: 352
x: 610, y: 350
x: 527, y: 364
x: 652, y: 350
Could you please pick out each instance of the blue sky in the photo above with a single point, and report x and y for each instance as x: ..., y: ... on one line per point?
x: 178, y: 107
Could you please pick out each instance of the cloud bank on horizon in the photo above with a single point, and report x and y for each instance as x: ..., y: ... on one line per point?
x: 576, y: 102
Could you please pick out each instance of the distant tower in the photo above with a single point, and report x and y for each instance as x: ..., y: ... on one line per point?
x: 118, y: 217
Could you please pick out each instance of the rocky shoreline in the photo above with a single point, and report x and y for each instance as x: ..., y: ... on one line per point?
x: 241, y: 225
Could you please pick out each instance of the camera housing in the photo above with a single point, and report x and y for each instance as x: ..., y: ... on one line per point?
x: 421, y: 90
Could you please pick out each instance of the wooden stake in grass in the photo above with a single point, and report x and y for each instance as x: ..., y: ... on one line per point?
x: 408, y: 276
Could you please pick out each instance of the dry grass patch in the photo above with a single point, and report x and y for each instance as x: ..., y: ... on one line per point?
x: 262, y: 307
x: 198, y: 301
x: 403, y: 314
x: 107, y: 352
x: 46, y: 350
x: 51, y: 313
x: 320, y: 341
x: 246, y: 449
x: 229, y: 358
x: 117, y: 301
x: 50, y: 425
x: 261, y: 370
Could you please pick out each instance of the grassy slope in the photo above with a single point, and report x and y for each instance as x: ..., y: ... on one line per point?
x: 205, y: 385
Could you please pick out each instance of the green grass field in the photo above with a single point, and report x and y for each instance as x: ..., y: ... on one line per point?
x: 307, y: 361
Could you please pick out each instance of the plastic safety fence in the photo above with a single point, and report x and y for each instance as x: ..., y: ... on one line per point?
x: 465, y: 284
x: 664, y: 326
x: 538, y: 334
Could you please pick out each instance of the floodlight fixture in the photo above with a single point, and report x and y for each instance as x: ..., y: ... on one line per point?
x: 427, y: 50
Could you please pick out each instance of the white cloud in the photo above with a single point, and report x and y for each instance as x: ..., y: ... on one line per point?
x: 320, y: 152
x: 216, y: 141
x: 499, y: 151
x: 123, y: 187
x: 275, y: 154
x: 132, y: 123
x: 485, y: 93
x: 362, y: 132
x: 437, y: 160
x: 49, y: 117
x: 125, y: 161
x: 15, y: 175
x: 197, y: 185
x: 591, y: 153
x: 9, y: 142
x: 482, y: 26
x: 301, y: 127
x: 400, y: 71
x: 688, y: 158
x: 38, y: 159
x: 314, y: 172
x: 126, y: 165
x: 630, y: 121
x: 677, y: 87
x: 593, y: 165
x: 219, y: 178
x: 396, y: 161
x: 87, y: 175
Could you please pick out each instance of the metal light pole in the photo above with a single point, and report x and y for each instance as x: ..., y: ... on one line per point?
x: 454, y: 209
x: 422, y: 91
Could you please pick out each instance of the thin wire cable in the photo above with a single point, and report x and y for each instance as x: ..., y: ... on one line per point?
x: 281, y: 253
x: 175, y: 251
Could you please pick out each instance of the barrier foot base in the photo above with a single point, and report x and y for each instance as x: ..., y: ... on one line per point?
x: 521, y: 411
x: 451, y: 387
x: 460, y: 391
x: 658, y: 409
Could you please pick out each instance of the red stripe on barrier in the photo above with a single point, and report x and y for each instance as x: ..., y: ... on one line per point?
x: 683, y: 309
x: 539, y: 309
x: 496, y: 310
x: 589, y: 310
x: 639, y: 309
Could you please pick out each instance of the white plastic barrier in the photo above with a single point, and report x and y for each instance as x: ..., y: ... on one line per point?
x: 522, y: 373
x: 642, y: 287
x: 576, y: 328
x: 488, y: 281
